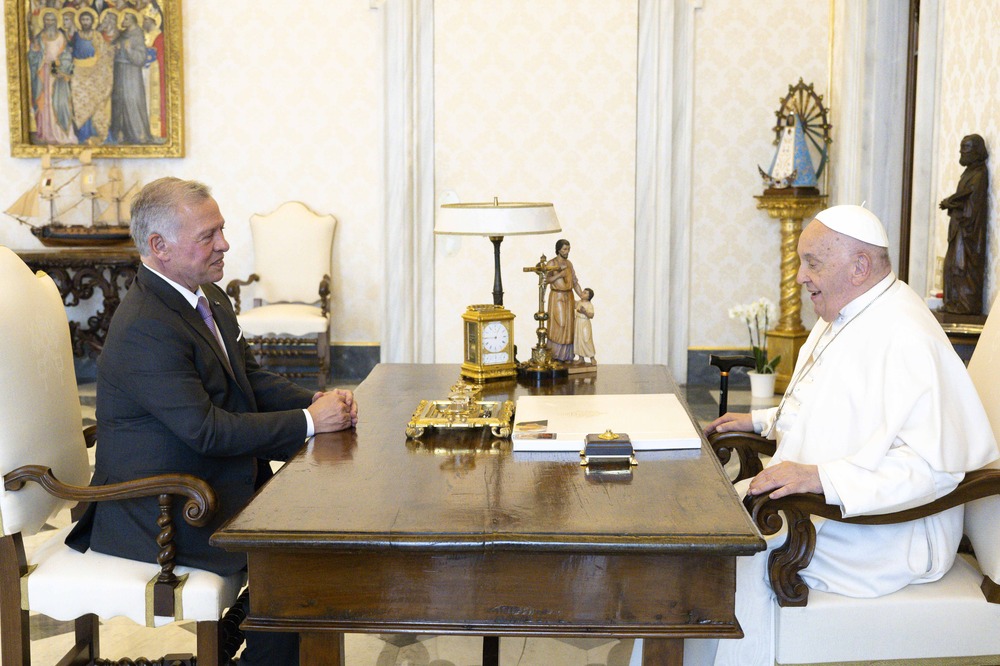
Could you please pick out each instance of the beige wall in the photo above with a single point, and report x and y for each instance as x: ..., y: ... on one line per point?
x: 536, y: 101
x: 284, y: 106
x: 533, y: 100
x: 744, y: 63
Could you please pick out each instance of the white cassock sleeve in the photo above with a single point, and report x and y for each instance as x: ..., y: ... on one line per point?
x: 903, y: 480
x: 904, y: 462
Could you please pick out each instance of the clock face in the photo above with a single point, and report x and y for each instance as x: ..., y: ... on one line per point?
x: 495, y: 336
x: 494, y: 359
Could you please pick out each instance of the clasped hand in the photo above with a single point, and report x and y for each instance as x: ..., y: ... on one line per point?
x: 333, y: 410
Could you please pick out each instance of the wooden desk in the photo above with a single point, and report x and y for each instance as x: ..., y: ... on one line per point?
x: 369, y: 532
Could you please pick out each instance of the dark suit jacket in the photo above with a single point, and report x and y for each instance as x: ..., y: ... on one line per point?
x: 167, y: 403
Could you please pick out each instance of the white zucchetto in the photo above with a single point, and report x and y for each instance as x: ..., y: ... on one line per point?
x: 856, y: 222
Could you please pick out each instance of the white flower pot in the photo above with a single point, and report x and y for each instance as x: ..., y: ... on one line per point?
x: 761, y: 386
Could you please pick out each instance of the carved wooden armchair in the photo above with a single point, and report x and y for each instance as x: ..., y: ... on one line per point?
x: 42, y: 442
x: 752, y: 452
x: 290, y: 320
x: 956, y: 618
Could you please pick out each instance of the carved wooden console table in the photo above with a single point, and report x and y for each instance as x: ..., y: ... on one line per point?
x: 79, y: 273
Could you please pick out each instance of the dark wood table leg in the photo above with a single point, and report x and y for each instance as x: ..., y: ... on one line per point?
x: 321, y: 648
x: 491, y: 650
x: 662, y: 652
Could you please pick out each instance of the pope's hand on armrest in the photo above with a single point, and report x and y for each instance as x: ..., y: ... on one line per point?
x: 786, y: 478
x: 730, y: 422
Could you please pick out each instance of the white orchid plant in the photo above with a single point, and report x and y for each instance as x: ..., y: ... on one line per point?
x: 756, y: 316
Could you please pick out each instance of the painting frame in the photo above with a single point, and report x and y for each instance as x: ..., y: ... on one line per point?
x: 23, y: 140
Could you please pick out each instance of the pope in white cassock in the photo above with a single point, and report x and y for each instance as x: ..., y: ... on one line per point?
x: 880, y: 414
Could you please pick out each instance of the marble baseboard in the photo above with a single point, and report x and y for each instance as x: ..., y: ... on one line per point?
x: 353, y: 362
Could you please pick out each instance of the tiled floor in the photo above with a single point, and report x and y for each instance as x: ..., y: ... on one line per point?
x: 120, y: 638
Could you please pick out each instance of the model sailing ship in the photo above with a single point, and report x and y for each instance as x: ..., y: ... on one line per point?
x: 106, y: 227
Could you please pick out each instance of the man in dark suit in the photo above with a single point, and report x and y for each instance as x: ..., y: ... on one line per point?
x: 174, y: 395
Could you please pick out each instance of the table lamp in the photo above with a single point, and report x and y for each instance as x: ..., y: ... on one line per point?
x: 489, y: 329
x: 496, y: 220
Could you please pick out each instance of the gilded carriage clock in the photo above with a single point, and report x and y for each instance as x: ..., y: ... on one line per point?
x: 489, y: 343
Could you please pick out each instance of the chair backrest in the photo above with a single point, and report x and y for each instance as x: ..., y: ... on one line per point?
x: 40, y: 419
x: 292, y: 249
x: 982, y: 517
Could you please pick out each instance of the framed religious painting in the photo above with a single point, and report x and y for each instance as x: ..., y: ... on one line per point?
x: 103, y: 75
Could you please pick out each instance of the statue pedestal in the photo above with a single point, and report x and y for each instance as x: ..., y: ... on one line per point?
x: 970, y: 323
x: 787, y: 337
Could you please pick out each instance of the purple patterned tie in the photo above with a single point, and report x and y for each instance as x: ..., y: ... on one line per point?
x: 206, y: 315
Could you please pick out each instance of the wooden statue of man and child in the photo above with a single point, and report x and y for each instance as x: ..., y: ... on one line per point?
x: 571, y: 338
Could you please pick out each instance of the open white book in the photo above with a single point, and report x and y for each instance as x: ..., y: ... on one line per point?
x: 562, y: 422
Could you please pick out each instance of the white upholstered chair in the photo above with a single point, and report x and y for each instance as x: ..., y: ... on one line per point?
x: 290, y: 320
x: 955, y: 620
x: 42, y: 441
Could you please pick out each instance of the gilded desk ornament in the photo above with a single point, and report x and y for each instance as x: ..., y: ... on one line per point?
x: 462, y: 410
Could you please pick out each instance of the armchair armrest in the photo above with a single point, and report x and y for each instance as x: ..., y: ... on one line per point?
x: 794, y: 555
x: 748, y: 447
x: 233, y: 289
x: 201, y: 504
x: 198, y: 509
x: 324, y: 295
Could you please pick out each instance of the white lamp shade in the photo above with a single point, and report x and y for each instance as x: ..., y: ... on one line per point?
x: 497, y: 219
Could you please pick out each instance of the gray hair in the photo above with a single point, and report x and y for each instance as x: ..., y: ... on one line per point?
x: 155, y: 208
x: 880, y: 262
x: 880, y: 257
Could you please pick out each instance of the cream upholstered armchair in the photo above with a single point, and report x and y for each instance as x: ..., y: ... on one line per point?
x: 955, y: 620
x: 42, y: 442
x: 290, y: 320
